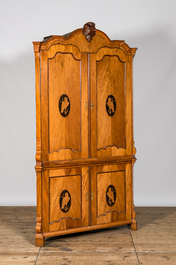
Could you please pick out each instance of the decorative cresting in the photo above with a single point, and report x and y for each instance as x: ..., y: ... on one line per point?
x: 111, y: 105
x: 64, y: 105
x: 65, y: 201
x: 89, y: 30
x: 111, y: 195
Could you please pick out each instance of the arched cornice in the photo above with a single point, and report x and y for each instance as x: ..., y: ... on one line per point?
x: 77, y: 38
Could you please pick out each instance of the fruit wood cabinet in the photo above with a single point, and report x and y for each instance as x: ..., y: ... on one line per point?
x: 84, y: 149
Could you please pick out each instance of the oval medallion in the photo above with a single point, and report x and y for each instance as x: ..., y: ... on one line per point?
x: 65, y: 201
x: 64, y: 105
x: 111, y: 105
x: 111, y: 195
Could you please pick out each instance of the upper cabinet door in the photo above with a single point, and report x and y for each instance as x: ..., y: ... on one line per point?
x: 64, y: 93
x: 111, y: 101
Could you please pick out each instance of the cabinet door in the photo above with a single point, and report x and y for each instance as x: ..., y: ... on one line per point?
x: 111, y: 99
x: 65, y: 199
x: 111, y: 193
x: 63, y: 97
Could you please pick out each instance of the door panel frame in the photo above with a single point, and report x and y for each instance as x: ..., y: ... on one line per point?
x: 127, y: 59
x: 127, y: 168
x: 85, y: 190
x: 64, y: 153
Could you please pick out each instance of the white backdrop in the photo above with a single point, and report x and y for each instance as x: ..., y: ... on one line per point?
x: 149, y: 25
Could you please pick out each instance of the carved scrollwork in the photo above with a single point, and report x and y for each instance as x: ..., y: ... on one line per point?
x: 38, y: 227
x: 134, y: 148
x: 89, y: 30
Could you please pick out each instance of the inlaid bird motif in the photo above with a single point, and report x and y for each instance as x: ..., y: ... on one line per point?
x: 64, y: 104
x: 65, y: 201
x: 110, y: 104
x: 110, y: 194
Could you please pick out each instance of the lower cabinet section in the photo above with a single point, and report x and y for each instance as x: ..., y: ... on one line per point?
x: 84, y: 197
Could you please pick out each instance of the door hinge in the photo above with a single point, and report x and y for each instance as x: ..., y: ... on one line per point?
x: 91, y: 105
x: 92, y: 195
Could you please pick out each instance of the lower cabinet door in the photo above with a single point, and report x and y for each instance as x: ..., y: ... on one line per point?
x: 65, y: 199
x: 111, y: 193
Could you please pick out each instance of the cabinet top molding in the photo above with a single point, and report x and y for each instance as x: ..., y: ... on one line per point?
x: 87, y: 39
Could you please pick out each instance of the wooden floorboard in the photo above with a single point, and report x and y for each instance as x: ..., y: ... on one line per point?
x: 153, y: 243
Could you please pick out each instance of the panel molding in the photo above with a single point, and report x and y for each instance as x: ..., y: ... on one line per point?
x: 50, y: 58
x: 64, y: 48
x: 113, y: 55
x: 111, y: 52
x: 64, y: 148
x: 76, y: 218
x: 113, y: 145
x: 104, y: 214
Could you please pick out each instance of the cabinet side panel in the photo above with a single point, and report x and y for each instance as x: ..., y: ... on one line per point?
x: 129, y: 105
x: 129, y: 190
x: 38, y: 106
x: 44, y: 106
x: 45, y: 201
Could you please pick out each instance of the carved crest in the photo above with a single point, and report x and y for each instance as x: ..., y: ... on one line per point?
x: 89, y: 30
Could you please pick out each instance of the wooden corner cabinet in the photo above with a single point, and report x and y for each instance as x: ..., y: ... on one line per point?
x: 85, y: 150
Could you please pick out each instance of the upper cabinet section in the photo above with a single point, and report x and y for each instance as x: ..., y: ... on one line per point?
x: 84, y: 96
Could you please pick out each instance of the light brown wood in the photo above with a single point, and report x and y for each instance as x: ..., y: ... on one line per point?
x: 85, y: 148
x: 102, y: 178
x: 39, y: 240
x: 134, y: 226
x: 88, y: 162
x: 86, y: 228
x: 76, y: 185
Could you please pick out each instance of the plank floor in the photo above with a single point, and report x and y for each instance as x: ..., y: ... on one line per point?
x: 153, y: 243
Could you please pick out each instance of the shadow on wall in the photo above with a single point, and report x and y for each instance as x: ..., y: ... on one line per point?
x: 18, y: 131
x: 154, y: 113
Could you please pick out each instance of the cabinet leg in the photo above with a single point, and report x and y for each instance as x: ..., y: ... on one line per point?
x: 39, y: 240
x: 134, y: 225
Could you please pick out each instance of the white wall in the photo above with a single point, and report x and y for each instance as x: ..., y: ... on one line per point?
x: 149, y: 25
